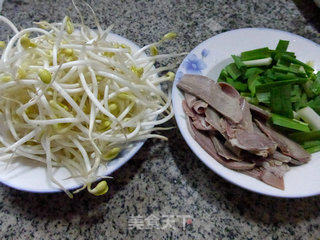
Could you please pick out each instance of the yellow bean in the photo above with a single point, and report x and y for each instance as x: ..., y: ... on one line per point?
x: 100, y: 189
x: 45, y: 76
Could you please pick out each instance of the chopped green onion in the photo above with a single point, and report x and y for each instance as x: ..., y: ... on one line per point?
x: 303, y: 137
x: 264, y: 97
x: 253, y: 71
x: 280, y: 100
x: 311, y: 117
x: 289, y: 123
x: 315, y: 88
x: 296, y: 61
x: 289, y: 70
x: 256, y: 54
x: 238, y: 62
x: 237, y: 85
x: 307, y: 86
x: 258, y: 62
x: 245, y: 94
x: 233, y: 71
x: 295, y: 93
x: 315, y: 104
x: 223, y: 75
x: 253, y: 82
x: 282, y: 46
x: 268, y: 86
x: 310, y: 144
x: 301, y: 103
x: 313, y: 149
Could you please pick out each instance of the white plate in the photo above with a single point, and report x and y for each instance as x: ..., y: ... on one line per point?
x: 208, y: 59
x: 27, y: 176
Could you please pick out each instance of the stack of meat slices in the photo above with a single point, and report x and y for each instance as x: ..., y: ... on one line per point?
x: 235, y: 133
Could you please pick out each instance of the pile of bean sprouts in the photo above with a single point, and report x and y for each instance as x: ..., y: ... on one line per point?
x: 70, y: 98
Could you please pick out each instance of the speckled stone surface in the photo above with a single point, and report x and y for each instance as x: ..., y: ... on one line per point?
x: 165, y: 178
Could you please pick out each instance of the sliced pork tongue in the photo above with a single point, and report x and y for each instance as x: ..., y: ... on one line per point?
x: 287, y: 146
x: 200, y: 106
x: 205, y: 142
x: 254, y: 143
x: 188, y: 110
x: 247, y: 139
x: 210, y: 92
x: 228, y: 89
x: 213, y: 118
x: 235, y: 150
x: 197, y: 120
x: 259, y: 113
x: 190, y: 99
x: 241, y: 135
x: 223, y: 151
x: 272, y: 178
x: 201, y: 124
x: 235, y: 125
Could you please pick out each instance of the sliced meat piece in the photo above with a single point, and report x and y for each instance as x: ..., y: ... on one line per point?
x: 227, y: 130
x: 287, y: 146
x: 253, y: 142
x: 246, y: 122
x: 201, y: 138
x: 259, y: 112
x: 201, y: 124
x: 228, y: 89
x: 257, y: 130
x: 200, y: 106
x: 266, y: 176
x: 273, y: 180
x: 277, y: 170
x: 205, y: 142
x: 238, y: 165
x: 210, y: 92
x: 198, y: 121
x: 281, y: 157
x: 190, y: 99
x: 296, y: 162
x: 213, y: 118
x: 188, y: 110
x: 255, y: 173
x: 235, y: 150
x: 223, y: 151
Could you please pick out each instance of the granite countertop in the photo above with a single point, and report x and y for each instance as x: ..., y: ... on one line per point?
x: 165, y: 179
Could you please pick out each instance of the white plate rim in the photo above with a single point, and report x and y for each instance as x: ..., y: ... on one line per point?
x: 195, y: 147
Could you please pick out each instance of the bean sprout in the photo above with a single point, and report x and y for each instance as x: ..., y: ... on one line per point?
x: 70, y: 98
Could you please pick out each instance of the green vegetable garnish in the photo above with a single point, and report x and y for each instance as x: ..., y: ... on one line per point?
x: 313, y: 149
x: 280, y: 100
x: 303, y: 136
x: 277, y: 80
x: 268, y: 86
x: 282, y: 46
x: 233, y: 71
x: 289, y: 123
x: 256, y: 54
